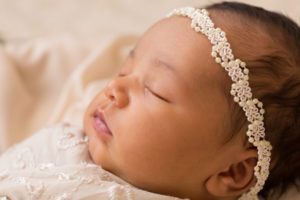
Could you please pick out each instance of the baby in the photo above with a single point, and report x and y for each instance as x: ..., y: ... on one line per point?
x: 180, y: 120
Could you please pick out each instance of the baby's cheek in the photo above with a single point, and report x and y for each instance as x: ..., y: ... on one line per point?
x: 142, y: 155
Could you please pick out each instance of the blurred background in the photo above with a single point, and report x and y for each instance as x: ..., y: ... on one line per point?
x: 96, y: 19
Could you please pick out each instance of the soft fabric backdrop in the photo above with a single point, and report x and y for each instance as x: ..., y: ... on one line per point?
x: 95, y: 18
x: 57, y: 55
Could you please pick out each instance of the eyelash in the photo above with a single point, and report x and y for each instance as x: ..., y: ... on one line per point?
x: 147, y: 88
x: 157, y: 95
x: 121, y: 75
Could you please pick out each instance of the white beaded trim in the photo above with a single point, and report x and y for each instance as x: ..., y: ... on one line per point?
x: 240, y: 90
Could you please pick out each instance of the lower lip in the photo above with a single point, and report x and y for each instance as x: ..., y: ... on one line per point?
x: 100, y: 127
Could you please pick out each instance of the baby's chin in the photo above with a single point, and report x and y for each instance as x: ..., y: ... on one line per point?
x: 99, y: 153
x: 94, y: 154
x: 85, y: 123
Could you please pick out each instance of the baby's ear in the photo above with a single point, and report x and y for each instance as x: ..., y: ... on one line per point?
x: 236, y: 178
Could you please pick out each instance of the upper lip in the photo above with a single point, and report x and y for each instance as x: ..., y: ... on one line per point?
x: 99, y: 114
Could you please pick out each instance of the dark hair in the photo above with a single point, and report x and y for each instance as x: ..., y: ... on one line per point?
x: 272, y: 55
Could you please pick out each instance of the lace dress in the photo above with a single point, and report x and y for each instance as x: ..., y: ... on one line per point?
x: 54, y: 164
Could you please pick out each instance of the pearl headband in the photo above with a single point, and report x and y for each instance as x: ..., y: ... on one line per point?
x: 240, y: 90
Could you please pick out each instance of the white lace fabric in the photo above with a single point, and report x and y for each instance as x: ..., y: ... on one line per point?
x: 55, y: 164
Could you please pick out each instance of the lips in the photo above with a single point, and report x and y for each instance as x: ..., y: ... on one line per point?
x: 100, y: 124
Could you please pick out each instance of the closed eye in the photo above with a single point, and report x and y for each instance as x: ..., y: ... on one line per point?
x: 157, y: 95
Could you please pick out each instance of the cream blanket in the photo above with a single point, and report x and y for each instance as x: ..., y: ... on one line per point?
x: 48, y: 80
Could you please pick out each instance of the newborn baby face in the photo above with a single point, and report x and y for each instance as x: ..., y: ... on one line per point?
x: 159, y: 125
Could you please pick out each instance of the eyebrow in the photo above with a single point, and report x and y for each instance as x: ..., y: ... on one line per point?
x: 156, y: 62
x: 131, y: 53
x: 163, y: 65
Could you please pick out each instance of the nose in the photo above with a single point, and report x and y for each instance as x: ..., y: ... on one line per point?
x: 116, y: 92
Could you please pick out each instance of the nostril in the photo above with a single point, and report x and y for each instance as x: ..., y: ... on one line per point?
x: 112, y: 98
x: 115, y: 91
x: 110, y: 94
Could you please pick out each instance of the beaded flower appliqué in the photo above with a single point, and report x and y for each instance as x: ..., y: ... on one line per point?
x: 240, y: 90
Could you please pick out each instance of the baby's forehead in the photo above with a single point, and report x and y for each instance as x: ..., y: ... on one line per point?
x: 173, y: 41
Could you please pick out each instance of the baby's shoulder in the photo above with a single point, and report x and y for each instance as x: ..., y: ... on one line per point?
x: 58, y: 144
